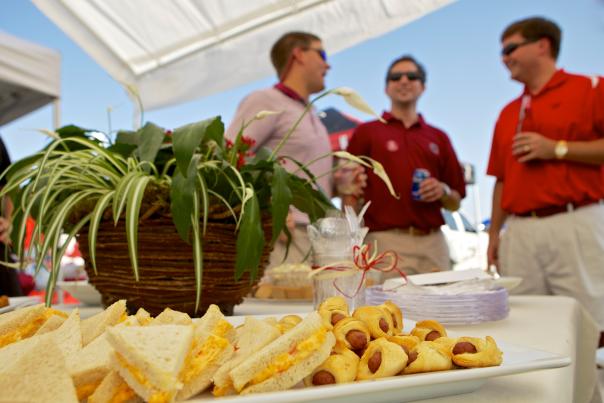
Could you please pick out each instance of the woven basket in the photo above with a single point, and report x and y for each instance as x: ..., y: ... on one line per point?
x: 166, y: 269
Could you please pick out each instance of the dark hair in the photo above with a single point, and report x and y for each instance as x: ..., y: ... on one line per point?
x: 282, y: 49
x: 535, y: 28
x: 408, y: 58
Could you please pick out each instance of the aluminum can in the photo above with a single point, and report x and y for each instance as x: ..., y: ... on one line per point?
x: 419, y: 174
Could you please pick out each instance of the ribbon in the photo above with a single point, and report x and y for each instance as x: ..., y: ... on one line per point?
x: 363, y: 260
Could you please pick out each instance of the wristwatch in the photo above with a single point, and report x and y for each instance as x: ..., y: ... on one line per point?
x: 561, y: 149
x: 446, y: 189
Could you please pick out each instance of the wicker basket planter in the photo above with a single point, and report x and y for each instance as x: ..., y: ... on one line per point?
x: 167, y: 276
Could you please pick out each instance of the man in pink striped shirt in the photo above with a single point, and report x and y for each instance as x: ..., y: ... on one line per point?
x: 301, y: 65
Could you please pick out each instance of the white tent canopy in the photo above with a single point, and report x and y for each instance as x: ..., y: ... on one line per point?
x: 171, y: 51
x: 30, y: 77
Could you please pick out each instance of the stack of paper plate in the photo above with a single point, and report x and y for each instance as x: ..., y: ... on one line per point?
x: 458, y: 309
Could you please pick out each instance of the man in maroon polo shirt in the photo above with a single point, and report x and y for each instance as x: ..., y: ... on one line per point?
x: 404, y: 143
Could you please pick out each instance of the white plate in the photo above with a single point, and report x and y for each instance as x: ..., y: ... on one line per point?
x: 82, y: 290
x: 508, y: 283
x: 516, y: 359
x: 19, y: 302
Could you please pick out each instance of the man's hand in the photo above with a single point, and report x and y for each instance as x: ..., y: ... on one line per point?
x: 5, y: 229
x: 350, y: 179
x: 431, y: 190
x: 528, y: 146
x: 290, y: 224
x: 493, y: 250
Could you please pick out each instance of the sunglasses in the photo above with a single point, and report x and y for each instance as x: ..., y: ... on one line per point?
x: 411, y: 76
x: 322, y: 54
x: 511, y: 47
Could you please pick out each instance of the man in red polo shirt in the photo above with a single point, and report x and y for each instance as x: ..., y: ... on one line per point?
x: 404, y: 143
x: 547, y: 155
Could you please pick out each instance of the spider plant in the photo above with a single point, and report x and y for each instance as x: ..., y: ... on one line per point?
x: 78, y: 181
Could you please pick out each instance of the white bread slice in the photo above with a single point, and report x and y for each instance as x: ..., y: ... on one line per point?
x: 38, y: 375
x: 209, y: 353
x: 129, y: 321
x: 213, y: 321
x: 150, y: 358
x: 143, y: 317
x: 171, y: 317
x: 111, y: 386
x: 94, y: 326
x: 21, y: 324
x: 311, y: 326
x: 53, y: 323
x: 252, y: 336
x: 67, y: 338
x: 90, y: 366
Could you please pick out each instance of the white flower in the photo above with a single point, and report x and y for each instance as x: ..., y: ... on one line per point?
x: 262, y: 114
x: 354, y: 99
x: 50, y: 133
x: 375, y: 166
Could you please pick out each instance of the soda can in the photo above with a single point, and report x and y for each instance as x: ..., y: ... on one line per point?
x: 419, y: 174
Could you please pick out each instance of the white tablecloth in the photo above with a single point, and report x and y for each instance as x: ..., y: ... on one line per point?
x: 556, y: 324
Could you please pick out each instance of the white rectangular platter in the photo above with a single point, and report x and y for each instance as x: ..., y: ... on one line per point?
x: 516, y: 360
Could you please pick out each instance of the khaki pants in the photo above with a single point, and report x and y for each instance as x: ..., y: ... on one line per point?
x: 418, y: 254
x: 562, y: 254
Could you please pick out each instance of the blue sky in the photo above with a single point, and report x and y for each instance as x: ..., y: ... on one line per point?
x: 459, y: 45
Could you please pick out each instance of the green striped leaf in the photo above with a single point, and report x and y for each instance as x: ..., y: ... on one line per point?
x: 197, y: 251
x: 95, y: 222
x: 135, y: 198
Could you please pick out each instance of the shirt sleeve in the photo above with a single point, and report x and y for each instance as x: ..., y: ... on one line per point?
x: 495, y: 166
x: 451, y: 170
x: 259, y: 130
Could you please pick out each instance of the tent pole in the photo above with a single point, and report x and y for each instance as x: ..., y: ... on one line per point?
x: 56, y: 113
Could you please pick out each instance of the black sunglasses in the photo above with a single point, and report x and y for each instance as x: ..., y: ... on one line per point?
x: 322, y: 53
x: 411, y: 76
x: 511, y: 47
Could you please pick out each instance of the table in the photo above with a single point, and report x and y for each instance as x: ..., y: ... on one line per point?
x: 551, y: 323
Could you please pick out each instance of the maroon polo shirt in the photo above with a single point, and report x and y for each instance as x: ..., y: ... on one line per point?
x: 401, y: 150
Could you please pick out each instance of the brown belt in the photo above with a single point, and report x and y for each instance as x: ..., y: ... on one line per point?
x: 418, y: 231
x: 551, y: 210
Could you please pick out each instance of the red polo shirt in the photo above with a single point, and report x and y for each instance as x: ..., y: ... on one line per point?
x: 401, y: 150
x: 570, y: 107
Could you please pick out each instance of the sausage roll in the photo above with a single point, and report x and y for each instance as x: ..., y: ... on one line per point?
x: 472, y: 352
x: 332, y: 310
x: 428, y: 330
x: 381, y: 358
x: 407, y: 342
x: 396, y: 315
x: 341, y: 367
x: 352, y: 333
x: 378, y: 321
x: 428, y: 356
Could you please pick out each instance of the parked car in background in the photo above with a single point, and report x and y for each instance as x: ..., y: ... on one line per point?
x: 467, y: 245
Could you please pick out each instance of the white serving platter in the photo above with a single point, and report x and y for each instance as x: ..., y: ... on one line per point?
x: 19, y: 302
x: 516, y: 360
